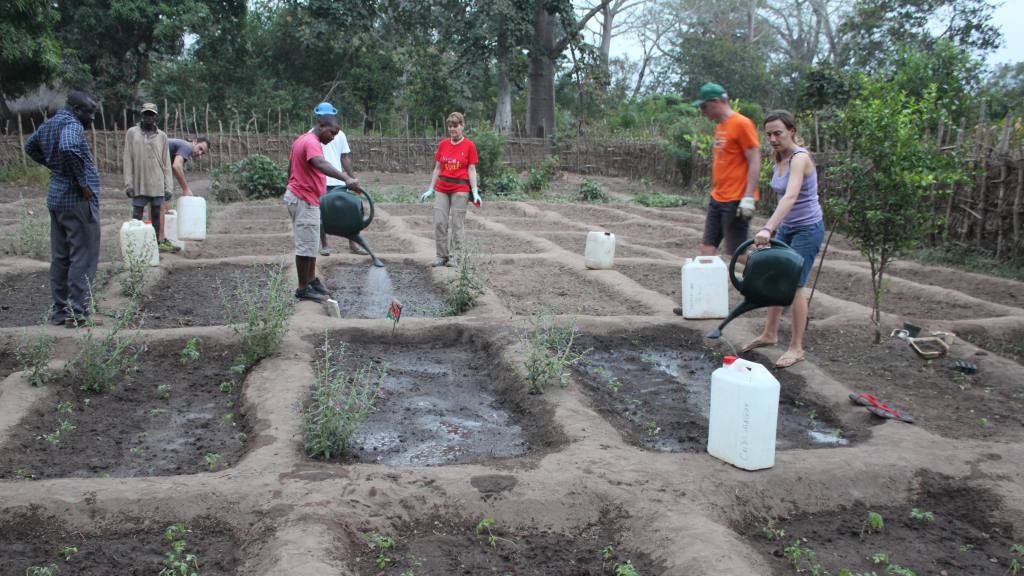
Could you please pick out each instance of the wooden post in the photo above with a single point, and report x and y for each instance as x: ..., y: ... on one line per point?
x: 167, y: 114
x: 124, y: 113
x: 220, y: 131
x: 1017, y: 203
x: 21, y: 142
x: 1003, y: 156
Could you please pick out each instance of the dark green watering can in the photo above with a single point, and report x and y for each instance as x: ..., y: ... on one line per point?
x: 341, y: 214
x: 770, y: 278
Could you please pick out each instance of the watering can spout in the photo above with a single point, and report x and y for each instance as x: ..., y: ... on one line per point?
x: 771, y: 278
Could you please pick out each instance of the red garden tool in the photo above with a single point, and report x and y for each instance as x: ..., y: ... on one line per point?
x: 879, y: 409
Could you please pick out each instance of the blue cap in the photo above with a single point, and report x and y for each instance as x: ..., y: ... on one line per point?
x: 325, y: 108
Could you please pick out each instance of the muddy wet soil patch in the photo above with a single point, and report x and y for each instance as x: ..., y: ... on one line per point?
x: 167, y: 420
x: 446, y: 400
x: 196, y: 295
x: 467, y: 546
x: 986, y: 404
x: 528, y: 288
x: 24, y: 299
x: 365, y: 291
x: 949, y: 527
x: 655, y: 387
x: 31, y: 539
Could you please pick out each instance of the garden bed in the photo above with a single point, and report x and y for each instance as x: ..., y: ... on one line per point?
x: 197, y: 294
x: 538, y: 287
x: 365, y: 291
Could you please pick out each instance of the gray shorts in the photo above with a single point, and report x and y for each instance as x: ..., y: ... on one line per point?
x: 723, y: 223
x: 305, y: 225
x: 141, y: 201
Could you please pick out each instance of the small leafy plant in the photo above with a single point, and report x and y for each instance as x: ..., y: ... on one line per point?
x: 382, y: 544
x: 179, y: 562
x: 341, y: 401
x: 214, y: 460
x: 258, y: 312
x: 1016, y: 555
x: 551, y: 351
x: 660, y: 200
x: 484, y: 526
x: 626, y: 569
x: 104, y: 359
x: 41, y: 570
x: 466, y: 287
x: 33, y: 354
x: 922, y: 516
x: 873, y: 523
x: 190, y: 353
x: 65, y: 427
x: 68, y: 551
x: 772, y: 532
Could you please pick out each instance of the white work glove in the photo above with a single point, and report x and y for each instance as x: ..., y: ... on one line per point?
x: 476, y: 198
x: 426, y: 195
x: 746, y: 208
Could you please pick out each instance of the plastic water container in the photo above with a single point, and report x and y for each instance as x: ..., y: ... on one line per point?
x: 138, y: 242
x: 191, y: 218
x: 705, y: 288
x: 744, y: 414
x: 600, y: 251
x: 171, y: 225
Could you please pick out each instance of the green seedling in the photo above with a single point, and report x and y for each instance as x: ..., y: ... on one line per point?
x: 214, y: 461
x: 626, y: 569
x: 228, y: 419
x: 873, y: 523
x: 155, y: 412
x: 772, y: 532
x: 33, y: 354
x: 880, y: 558
x: 608, y: 554
x: 64, y: 428
x: 190, y: 353
x: 227, y: 386
x: 485, y: 526
x: 48, y: 570
x: 802, y: 558
x: 922, y: 516
x: 163, y: 391
x: 342, y: 400
x: 381, y: 543
x: 68, y: 551
x: 653, y: 429
x: 138, y: 450
x: 239, y: 368
x: 104, y: 359
x: 66, y: 407
x: 179, y: 562
x: 1017, y: 554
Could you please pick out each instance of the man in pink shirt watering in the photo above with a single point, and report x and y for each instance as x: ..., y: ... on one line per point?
x: 307, y: 182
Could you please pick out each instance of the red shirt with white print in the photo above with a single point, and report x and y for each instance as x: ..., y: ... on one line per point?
x: 455, y: 160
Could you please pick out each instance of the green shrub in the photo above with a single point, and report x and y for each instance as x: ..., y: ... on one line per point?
x: 33, y: 354
x: 538, y: 179
x: 104, y: 359
x: 341, y: 401
x: 490, y: 148
x: 551, y: 350
x: 505, y: 186
x: 466, y: 287
x: 32, y: 236
x: 591, y: 191
x: 250, y: 178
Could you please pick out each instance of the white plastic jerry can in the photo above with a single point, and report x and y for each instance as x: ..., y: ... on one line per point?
x: 171, y: 225
x: 191, y: 218
x: 138, y: 243
x: 705, y: 288
x: 600, y: 251
x: 744, y: 413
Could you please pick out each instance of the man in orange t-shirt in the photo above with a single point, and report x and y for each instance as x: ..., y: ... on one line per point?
x: 735, y: 170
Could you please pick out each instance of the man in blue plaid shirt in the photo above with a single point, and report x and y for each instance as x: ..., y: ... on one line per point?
x: 74, y: 203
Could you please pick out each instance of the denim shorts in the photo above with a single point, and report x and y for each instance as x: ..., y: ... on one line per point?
x: 806, y: 240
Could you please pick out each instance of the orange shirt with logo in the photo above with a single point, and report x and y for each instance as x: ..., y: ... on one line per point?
x: 733, y: 136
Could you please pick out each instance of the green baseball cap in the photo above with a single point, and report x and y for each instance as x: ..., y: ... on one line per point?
x: 710, y: 91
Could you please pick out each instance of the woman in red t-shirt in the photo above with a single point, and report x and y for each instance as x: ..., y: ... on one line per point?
x: 454, y: 180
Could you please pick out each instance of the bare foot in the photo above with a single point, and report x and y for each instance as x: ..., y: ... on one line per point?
x: 788, y: 359
x: 758, y: 342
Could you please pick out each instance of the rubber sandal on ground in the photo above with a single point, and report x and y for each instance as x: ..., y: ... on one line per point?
x: 786, y: 361
x: 879, y: 409
x: 756, y: 343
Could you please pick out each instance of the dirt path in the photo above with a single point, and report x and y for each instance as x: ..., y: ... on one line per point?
x: 615, y: 458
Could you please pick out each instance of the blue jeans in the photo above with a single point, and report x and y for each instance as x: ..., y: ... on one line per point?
x: 806, y: 240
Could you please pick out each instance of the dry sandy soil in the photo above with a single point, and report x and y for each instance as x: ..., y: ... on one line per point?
x: 609, y: 467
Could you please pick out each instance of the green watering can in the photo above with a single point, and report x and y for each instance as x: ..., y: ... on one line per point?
x: 341, y: 214
x: 770, y: 278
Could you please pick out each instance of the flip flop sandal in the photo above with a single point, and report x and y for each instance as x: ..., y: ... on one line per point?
x: 879, y: 409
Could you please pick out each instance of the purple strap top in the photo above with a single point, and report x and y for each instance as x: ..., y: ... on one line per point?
x: 807, y: 209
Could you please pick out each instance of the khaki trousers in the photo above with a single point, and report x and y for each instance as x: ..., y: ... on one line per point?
x: 449, y: 211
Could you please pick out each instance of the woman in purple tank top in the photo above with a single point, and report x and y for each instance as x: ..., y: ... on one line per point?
x: 797, y: 221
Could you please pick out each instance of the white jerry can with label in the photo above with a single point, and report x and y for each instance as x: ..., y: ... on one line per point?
x: 744, y: 413
x: 138, y: 243
x: 600, y: 251
x: 191, y: 218
x: 705, y: 288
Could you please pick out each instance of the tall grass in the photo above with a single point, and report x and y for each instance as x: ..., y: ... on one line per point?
x: 258, y: 312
